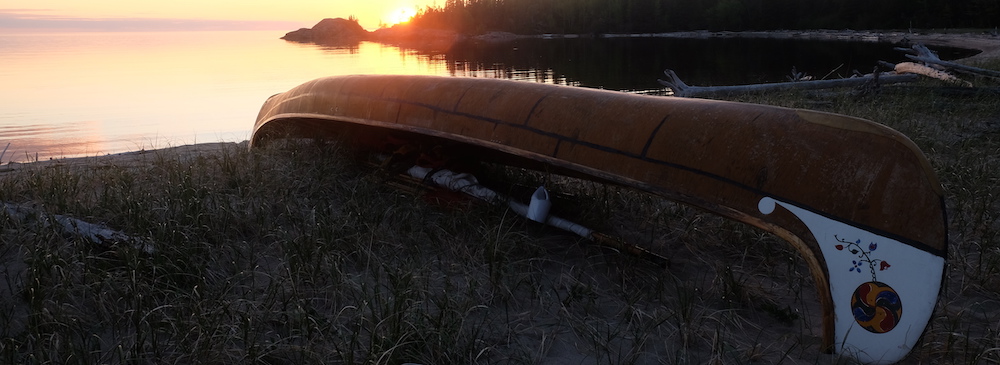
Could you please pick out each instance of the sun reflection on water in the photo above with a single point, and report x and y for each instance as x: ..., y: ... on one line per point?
x: 66, y: 95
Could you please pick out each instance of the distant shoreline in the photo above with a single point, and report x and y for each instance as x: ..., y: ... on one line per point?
x: 339, y: 31
x: 987, y: 44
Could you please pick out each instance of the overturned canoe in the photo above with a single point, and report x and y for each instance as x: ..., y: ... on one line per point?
x: 858, y: 200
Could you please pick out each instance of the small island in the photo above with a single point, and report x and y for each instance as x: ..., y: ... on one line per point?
x: 345, y: 32
x: 330, y: 31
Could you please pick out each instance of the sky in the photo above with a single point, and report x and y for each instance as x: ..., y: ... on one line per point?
x: 133, y: 15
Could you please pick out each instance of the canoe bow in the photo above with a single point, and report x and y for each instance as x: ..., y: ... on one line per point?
x: 858, y: 200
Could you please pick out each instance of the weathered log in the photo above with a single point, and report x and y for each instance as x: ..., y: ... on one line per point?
x: 920, y: 50
x: 682, y: 89
x: 957, y: 66
x: 94, y: 233
x: 915, y: 68
x: 920, y: 53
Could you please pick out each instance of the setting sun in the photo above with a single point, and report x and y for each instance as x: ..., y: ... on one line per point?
x: 401, y: 15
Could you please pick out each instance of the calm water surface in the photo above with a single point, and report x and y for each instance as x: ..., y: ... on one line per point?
x: 86, y: 94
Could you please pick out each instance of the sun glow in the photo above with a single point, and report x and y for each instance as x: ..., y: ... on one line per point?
x: 401, y: 15
x: 187, y: 14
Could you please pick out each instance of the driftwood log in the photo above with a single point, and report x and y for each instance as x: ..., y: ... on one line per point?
x: 682, y: 89
x: 958, y: 67
x: 95, y: 233
x: 919, y: 69
x: 920, y: 53
x: 904, y: 72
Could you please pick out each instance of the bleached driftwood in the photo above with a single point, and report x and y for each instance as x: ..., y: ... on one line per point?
x: 682, y: 89
x: 958, y: 67
x: 916, y: 68
x: 920, y: 53
x: 918, y: 50
x: 95, y: 233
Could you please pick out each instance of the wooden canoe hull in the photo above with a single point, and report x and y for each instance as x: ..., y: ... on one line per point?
x: 838, y: 181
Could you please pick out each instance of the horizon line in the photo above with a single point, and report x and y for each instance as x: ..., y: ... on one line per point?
x: 16, y: 20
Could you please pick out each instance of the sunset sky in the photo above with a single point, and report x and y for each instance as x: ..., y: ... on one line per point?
x: 110, y: 15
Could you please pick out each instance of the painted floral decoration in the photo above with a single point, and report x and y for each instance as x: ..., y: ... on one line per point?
x: 864, y: 256
x: 856, y: 267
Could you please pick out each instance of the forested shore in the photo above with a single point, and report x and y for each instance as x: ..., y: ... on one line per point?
x: 641, y: 16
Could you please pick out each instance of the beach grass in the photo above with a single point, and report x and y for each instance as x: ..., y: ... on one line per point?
x: 302, y: 253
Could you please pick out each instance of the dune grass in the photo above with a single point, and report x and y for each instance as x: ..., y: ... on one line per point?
x: 300, y: 254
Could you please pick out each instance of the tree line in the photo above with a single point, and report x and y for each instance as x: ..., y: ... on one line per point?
x: 645, y: 16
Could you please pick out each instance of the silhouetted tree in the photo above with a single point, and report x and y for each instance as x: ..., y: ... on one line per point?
x: 623, y: 16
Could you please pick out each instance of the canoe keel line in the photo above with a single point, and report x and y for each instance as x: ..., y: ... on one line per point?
x: 858, y: 200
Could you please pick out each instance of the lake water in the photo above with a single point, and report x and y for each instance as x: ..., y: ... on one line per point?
x: 86, y: 94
